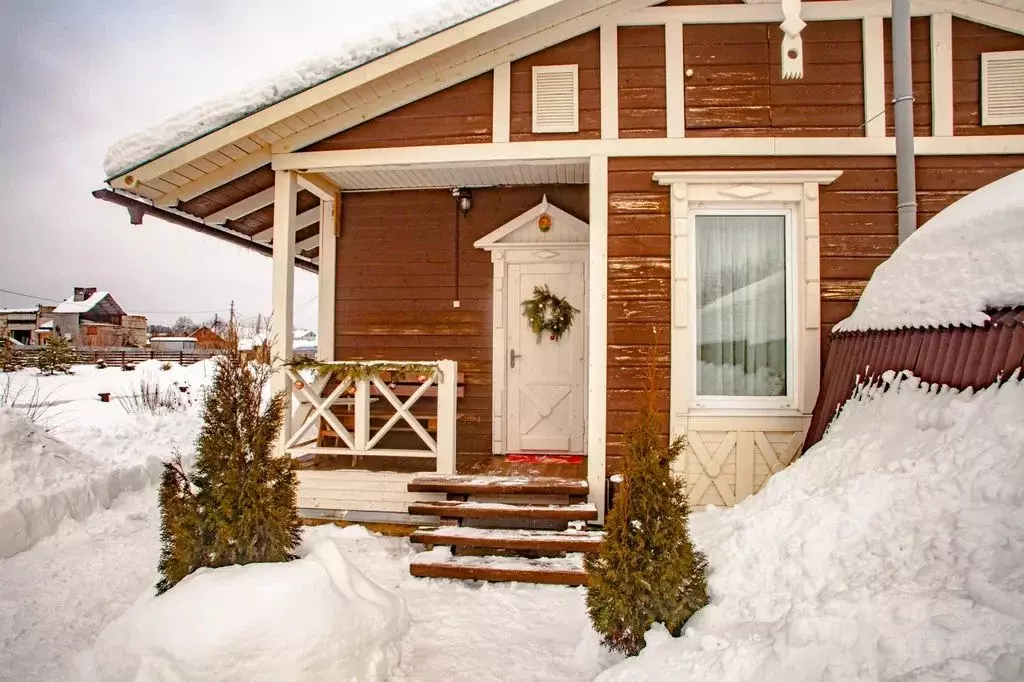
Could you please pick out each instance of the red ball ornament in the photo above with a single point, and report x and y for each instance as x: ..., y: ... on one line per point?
x: 552, y: 337
x: 300, y: 384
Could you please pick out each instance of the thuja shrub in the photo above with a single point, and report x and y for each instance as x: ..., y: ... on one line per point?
x: 648, y: 570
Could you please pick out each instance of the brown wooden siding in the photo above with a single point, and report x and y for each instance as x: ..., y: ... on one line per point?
x: 960, y: 357
x: 970, y: 40
x: 642, y: 81
x: 460, y: 114
x: 858, y: 232
x: 921, y: 68
x: 396, y: 284
x: 737, y: 86
x: 584, y: 50
x: 246, y: 186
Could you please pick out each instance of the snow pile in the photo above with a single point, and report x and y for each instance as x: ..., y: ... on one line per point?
x: 136, y: 149
x: 894, y: 549
x: 44, y: 481
x: 316, y: 618
x: 961, y: 262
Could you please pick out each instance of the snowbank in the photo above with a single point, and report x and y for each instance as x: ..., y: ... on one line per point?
x: 44, y: 481
x: 136, y: 149
x: 960, y: 263
x: 894, y: 549
x: 316, y: 618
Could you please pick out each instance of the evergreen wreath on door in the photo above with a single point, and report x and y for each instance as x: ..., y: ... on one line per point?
x: 546, y: 312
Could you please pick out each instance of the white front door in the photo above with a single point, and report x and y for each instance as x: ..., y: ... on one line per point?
x: 545, y: 378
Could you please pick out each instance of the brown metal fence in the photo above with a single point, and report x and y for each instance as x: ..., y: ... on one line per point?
x: 959, y: 357
x: 116, y: 357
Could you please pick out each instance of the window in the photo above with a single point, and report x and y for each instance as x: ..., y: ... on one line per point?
x: 742, y: 307
x: 556, y: 107
x: 1002, y: 88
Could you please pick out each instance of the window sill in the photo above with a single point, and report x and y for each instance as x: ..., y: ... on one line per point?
x: 745, y: 411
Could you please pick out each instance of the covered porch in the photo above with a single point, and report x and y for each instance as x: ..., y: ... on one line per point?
x: 416, y: 287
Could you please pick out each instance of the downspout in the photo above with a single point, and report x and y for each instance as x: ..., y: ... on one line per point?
x: 903, y: 113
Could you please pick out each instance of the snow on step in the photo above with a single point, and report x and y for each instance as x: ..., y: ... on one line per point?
x: 500, y: 510
x: 512, y: 539
x: 440, y: 563
x: 478, y: 485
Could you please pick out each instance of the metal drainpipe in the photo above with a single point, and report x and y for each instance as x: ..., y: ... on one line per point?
x: 903, y: 112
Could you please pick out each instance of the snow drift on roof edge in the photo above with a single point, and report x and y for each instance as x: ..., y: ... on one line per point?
x: 141, y: 147
x: 965, y: 260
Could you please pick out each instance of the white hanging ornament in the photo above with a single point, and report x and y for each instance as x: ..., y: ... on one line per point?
x: 792, y: 43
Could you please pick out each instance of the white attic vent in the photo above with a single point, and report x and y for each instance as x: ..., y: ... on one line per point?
x: 1002, y: 88
x: 556, y: 100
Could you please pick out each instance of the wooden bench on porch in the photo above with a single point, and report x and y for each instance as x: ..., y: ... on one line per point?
x: 403, y: 388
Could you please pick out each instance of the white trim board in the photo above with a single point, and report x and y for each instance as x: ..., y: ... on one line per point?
x: 576, y: 150
x: 828, y: 10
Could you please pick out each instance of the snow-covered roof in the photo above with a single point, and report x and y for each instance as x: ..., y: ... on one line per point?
x: 962, y: 262
x: 18, y: 311
x: 172, y: 338
x: 142, y: 147
x: 73, y: 306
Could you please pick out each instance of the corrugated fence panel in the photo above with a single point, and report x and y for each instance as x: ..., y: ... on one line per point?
x: 959, y: 357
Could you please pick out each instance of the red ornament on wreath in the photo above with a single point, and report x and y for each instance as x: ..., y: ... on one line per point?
x: 544, y: 222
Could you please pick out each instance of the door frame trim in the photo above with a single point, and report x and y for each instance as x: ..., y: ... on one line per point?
x: 502, y: 255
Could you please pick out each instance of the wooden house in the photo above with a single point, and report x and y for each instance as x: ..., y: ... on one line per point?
x: 93, y: 318
x: 208, y: 338
x: 650, y: 164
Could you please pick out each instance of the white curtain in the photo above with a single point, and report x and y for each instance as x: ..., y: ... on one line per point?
x: 741, y: 305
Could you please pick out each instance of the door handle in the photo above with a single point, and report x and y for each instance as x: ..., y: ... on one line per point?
x: 512, y: 355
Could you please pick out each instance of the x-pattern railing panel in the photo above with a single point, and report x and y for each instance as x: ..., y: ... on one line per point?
x: 402, y: 412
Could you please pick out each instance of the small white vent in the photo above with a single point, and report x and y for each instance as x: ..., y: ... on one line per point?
x: 1002, y: 88
x: 556, y: 101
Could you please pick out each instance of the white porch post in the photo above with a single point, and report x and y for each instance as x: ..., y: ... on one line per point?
x: 597, y: 351
x: 326, y: 278
x: 285, y: 192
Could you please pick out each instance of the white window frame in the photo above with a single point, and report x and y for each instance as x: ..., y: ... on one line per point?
x: 726, y: 209
x: 795, y: 190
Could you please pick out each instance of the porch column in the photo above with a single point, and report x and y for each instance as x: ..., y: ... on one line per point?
x: 330, y: 219
x: 597, y: 351
x: 285, y: 192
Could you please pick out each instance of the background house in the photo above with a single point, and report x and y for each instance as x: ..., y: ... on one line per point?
x: 173, y: 343
x: 94, y: 318
x: 20, y: 323
x: 207, y: 338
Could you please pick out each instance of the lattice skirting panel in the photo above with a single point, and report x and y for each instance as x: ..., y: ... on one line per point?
x: 727, y: 459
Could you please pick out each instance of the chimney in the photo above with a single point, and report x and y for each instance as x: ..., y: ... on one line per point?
x: 82, y: 293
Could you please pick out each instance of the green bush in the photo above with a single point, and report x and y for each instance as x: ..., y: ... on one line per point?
x: 239, y: 505
x: 648, y: 570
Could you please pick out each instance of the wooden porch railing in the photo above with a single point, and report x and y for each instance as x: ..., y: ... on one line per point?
x: 357, y: 395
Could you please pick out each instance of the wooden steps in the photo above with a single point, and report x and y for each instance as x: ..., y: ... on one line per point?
x: 511, y: 539
x: 454, y: 509
x: 546, y: 571
x: 515, y: 551
x: 499, y: 485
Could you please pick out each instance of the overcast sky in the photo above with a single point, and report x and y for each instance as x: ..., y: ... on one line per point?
x: 77, y: 76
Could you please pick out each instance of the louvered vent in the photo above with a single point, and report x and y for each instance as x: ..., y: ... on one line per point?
x: 556, y: 103
x: 1002, y: 88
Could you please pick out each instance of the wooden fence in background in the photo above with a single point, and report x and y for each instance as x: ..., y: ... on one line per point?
x: 116, y: 357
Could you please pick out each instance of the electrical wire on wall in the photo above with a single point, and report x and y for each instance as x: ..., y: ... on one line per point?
x: 463, y: 202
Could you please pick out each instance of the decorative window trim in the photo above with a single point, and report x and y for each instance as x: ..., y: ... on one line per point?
x: 792, y: 331
x: 538, y: 125
x: 796, y: 191
x: 1014, y: 89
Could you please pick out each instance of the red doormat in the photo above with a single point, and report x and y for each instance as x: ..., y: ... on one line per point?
x: 538, y: 458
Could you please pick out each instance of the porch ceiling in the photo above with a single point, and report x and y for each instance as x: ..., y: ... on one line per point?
x: 436, y: 176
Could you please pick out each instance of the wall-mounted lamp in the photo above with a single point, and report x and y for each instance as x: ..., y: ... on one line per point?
x: 463, y: 199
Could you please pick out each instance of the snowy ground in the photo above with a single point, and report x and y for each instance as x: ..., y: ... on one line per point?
x: 57, y: 597
x: 893, y: 550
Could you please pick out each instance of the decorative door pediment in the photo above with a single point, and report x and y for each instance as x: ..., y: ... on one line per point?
x: 544, y: 224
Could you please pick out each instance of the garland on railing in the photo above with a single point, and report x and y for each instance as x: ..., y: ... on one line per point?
x: 363, y: 370
x: 547, y: 312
